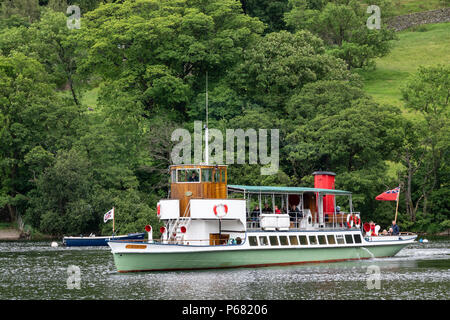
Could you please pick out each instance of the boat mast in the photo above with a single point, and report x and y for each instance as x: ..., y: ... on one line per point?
x: 206, y: 126
x: 396, y: 209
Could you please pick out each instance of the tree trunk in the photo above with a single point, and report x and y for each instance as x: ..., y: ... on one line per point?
x: 408, y: 199
x: 75, y: 99
x: 12, y: 212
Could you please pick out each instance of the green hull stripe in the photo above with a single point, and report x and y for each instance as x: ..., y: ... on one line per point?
x: 129, y: 262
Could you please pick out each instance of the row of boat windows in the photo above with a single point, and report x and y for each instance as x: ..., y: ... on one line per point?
x: 198, y: 175
x: 294, y: 240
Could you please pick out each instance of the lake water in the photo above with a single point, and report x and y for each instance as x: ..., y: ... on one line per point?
x: 35, y: 270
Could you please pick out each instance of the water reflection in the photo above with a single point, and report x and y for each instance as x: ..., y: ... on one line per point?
x: 34, y: 270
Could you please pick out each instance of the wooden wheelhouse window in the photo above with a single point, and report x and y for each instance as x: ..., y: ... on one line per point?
x: 188, y: 175
x: 222, y: 173
x: 216, y: 175
x: 206, y: 175
x: 181, y: 175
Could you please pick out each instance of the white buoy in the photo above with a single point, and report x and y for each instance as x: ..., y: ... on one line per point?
x: 54, y: 244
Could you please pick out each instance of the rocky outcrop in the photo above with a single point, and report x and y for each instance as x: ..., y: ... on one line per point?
x: 414, y: 19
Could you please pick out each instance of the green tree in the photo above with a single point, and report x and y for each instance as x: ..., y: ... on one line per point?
x: 50, y: 42
x: 343, y: 27
x: 159, y: 50
x: 280, y: 64
x: 270, y: 12
x: 31, y: 116
x: 132, y: 214
x: 428, y: 92
x: 354, y: 142
x: 26, y: 9
x: 412, y: 157
x: 61, y: 202
x: 53, y: 45
x: 324, y: 97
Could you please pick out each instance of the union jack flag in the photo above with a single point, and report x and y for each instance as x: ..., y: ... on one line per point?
x: 390, y: 195
x: 109, y: 215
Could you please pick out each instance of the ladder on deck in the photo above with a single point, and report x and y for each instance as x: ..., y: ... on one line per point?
x: 175, y: 234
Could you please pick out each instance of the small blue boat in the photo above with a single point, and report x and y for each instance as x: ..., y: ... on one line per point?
x: 99, y: 240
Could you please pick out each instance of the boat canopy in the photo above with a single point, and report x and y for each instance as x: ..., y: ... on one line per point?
x: 283, y: 190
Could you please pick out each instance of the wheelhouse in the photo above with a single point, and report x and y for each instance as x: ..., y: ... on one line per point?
x: 197, y: 182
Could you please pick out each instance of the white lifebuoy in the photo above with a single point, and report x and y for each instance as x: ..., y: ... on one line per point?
x: 349, y: 221
x: 221, y: 213
x: 357, y: 221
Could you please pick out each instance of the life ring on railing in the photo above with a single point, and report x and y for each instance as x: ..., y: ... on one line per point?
x: 349, y: 221
x: 221, y: 213
x: 357, y: 221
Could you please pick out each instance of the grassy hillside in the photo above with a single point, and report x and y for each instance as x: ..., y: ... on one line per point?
x: 419, y: 46
x: 401, y: 7
x: 423, y: 46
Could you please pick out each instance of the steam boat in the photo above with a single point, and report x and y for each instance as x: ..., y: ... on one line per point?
x: 209, y: 224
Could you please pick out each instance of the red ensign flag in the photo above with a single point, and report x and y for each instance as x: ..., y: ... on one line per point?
x: 390, y: 195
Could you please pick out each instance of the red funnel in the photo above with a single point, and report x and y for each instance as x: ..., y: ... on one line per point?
x: 325, y: 180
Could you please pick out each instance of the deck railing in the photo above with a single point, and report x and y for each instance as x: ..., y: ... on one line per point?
x: 331, y: 221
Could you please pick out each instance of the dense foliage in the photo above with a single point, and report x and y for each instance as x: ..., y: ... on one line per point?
x: 86, y: 115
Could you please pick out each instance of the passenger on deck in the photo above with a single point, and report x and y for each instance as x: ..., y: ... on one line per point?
x: 255, y: 213
x: 394, y: 229
x: 294, y: 210
x: 277, y: 211
x: 294, y: 213
x: 372, y: 228
x: 299, y: 212
x: 266, y: 208
x: 194, y: 177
